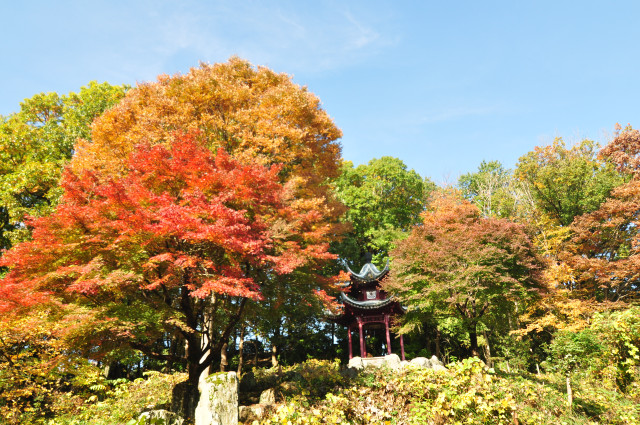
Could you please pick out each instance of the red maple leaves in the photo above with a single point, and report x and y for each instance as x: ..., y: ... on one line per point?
x: 180, y: 216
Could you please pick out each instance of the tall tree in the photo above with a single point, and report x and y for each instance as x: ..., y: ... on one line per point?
x: 176, y: 245
x: 259, y: 118
x: 460, y: 263
x: 566, y: 183
x: 384, y: 200
x: 36, y: 143
x: 495, y: 191
x: 602, y: 256
x: 254, y: 114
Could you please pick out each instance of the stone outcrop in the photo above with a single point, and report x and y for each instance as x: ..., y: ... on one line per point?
x: 392, y: 361
x: 432, y: 363
x: 218, y: 403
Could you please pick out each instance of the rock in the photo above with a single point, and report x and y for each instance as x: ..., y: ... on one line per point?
x: 268, y: 397
x: 255, y: 412
x: 184, y: 398
x: 404, y: 364
x: 157, y: 417
x: 434, y: 361
x: 392, y: 361
x: 218, y: 404
x: 373, y: 362
x: 438, y: 368
x: 356, y: 363
x: 421, y: 361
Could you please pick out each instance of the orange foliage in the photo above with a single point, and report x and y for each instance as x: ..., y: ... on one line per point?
x: 254, y: 114
x: 595, y: 263
x: 464, y: 264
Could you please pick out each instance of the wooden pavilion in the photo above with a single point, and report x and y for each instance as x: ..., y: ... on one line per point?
x: 367, y: 306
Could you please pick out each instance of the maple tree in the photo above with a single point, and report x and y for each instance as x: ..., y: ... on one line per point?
x: 462, y: 264
x: 174, y: 246
x: 601, y: 258
x: 36, y: 143
x: 566, y: 184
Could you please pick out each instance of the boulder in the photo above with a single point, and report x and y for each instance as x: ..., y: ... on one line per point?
x: 218, y: 404
x: 156, y: 417
x: 392, y: 361
x: 356, y: 363
x: 255, y: 412
x: 421, y: 362
x: 438, y: 368
x: 434, y: 361
x: 268, y: 397
x: 373, y: 362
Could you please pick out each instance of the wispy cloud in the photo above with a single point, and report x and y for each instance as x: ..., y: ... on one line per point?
x: 313, y: 38
x: 456, y: 113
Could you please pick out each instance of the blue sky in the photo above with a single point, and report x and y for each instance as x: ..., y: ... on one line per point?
x: 440, y: 85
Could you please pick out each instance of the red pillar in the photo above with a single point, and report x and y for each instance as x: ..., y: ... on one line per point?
x: 363, y: 353
x: 350, y: 343
x: 402, y: 346
x: 386, y: 326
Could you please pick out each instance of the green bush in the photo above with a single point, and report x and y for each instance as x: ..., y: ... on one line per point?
x: 620, y: 332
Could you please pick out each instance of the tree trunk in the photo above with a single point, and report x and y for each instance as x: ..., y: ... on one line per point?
x: 438, y: 353
x: 255, y: 357
x: 275, y: 340
x: 241, y: 352
x: 473, y: 339
x: 487, y: 350
x: 223, y: 357
x: 274, y: 357
x: 186, y: 394
x: 569, y: 393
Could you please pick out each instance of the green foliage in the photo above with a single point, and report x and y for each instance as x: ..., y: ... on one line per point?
x: 384, y: 201
x: 620, y: 332
x: 466, y: 396
x: 121, y: 401
x: 566, y: 183
x: 459, y: 263
x: 572, y: 350
x: 495, y: 191
x: 467, y: 393
x: 39, y: 378
x: 312, y: 378
x: 35, y: 145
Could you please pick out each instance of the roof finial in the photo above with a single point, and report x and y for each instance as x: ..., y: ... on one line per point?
x: 368, y: 257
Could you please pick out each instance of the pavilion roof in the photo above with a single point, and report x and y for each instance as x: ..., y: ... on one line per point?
x: 366, y: 305
x: 369, y: 273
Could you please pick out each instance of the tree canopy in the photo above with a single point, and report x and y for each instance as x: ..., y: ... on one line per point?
x: 495, y: 191
x: 35, y: 145
x: 185, y: 234
x: 463, y: 264
x: 602, y: 254
x: 254, y: 114
x: 566, y: 183
x: 195, y: 194
x: 384, y: 200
